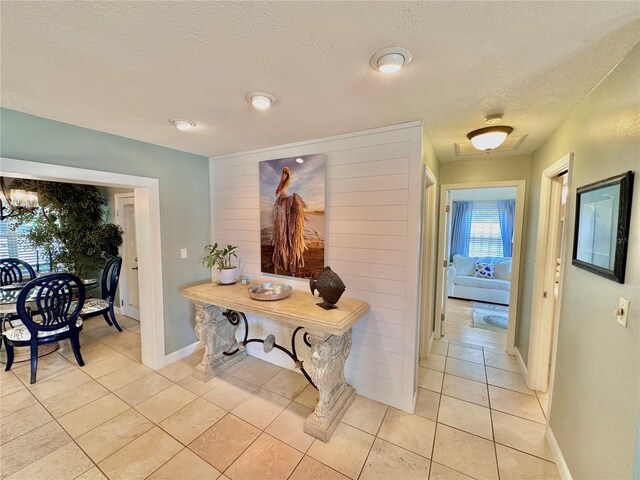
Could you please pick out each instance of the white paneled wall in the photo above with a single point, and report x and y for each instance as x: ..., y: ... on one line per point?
x: 372, y: 238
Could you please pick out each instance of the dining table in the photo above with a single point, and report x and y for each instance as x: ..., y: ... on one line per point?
x: 8, y: 300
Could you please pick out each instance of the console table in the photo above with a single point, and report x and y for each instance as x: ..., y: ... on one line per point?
x: 221, y: 308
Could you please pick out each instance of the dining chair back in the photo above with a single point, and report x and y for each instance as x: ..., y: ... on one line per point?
x: 110, y: 278
x: 14, y: 270
x: 49, y: 309
x: 105, y: 305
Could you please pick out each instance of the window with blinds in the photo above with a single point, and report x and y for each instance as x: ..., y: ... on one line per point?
x: 13, y: 245
x: 485, y: 239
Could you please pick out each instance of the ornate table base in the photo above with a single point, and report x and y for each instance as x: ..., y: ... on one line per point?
x: 216, y: 328
x: 218, y: 335
x: 328, y: 356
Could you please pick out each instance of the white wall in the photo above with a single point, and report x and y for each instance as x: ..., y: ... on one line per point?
x: 373, y: 212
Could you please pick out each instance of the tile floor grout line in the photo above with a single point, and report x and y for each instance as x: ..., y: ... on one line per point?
x: 516, y: 416
x: 54, y: 419
x: 364, y: 464
x: 247, y: 447
x: 451, y: 468
x: 493, y: 433
x: 263, y: 430
x: 72, y: 440
x: 297, y: 464
x: 435, y: 434
x: 174, y: 456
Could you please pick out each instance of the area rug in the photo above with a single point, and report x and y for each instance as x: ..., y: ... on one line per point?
x: 490, y: 316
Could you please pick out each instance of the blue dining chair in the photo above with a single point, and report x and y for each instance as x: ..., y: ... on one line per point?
x: 14, y: 270
x: 104, y: 305
x: 58, y: 300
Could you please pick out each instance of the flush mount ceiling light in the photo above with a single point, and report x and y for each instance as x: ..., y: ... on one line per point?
x: 299, y: 160
x: 260, y: 100
x: 489, y: 138
x: 182, y: 123
x: 390, y: 60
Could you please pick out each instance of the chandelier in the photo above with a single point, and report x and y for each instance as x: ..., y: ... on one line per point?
x: 16, y: 202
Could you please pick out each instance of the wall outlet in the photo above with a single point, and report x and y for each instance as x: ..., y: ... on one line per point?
x: 183, y: 253
x: 621, y: 311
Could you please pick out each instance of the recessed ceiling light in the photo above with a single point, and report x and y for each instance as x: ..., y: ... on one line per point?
x: 489, y: 138
x: 299, y: 160
x: 182, y: 123
x: 260, y: 100
x: 390, y: 60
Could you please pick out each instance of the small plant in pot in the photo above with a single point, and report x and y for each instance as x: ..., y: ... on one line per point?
x: 221, y: 259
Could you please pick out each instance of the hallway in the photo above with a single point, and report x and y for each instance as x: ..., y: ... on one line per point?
x: 486, y: 416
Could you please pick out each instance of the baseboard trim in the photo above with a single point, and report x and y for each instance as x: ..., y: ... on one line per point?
x: 117, y: 310
x: 561, y: 464
x: 523, y: 367
x: 180, y: 354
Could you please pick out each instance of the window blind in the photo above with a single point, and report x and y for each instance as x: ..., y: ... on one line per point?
x: 12, y: 245
x: 485, y: 239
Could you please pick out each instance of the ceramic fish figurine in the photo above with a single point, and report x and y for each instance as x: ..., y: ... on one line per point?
x: 330, y: 288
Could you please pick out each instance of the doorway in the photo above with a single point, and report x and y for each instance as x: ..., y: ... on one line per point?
x: 429, y: 251
x: 479, y: 250
x: 129, y: 293
x: 147, y: 219
x: 551, y: 259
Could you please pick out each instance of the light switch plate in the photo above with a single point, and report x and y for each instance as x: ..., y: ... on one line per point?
x: 623, y: 306
x: 183, y: 253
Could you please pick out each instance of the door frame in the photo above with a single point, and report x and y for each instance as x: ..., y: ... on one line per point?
x: 147, y: 199
x: 124, y: 279
x: 441, y: 282
x: 539, y: 375
x: 429, y: 244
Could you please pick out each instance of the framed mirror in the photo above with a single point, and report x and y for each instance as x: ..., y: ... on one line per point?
x: 603, y: 214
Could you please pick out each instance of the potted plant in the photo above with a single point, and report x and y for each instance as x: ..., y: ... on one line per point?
x: 221, y: 259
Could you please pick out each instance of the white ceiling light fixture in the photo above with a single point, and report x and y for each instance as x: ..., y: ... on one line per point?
x: 391, y: 60
x: 490, y: 138
x: 299, y: 160
x: 182, y: 124
x: 260, y: 100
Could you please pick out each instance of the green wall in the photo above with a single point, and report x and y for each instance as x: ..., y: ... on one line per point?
x: 596, y: 396
x: 490, y: 169
x: 184, y: 196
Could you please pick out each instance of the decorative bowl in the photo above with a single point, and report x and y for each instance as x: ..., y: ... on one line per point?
x: 269, y: 291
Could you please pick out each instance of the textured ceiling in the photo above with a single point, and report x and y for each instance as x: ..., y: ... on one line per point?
x: 127, y: 67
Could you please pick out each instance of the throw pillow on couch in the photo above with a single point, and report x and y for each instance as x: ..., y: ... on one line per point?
x: 484, y: 270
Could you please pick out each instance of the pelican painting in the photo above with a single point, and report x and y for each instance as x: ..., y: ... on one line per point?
x: 292, y: 215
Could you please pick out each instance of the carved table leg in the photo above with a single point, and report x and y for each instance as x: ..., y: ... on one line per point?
x: 217, y: 335
x: 328, y: 356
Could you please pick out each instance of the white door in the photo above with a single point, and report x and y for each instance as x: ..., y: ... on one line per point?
x: 125, y: 214
x: 549, y: 313
x: 444, y: 267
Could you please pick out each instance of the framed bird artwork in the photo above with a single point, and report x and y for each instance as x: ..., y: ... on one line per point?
x: 292, y: 220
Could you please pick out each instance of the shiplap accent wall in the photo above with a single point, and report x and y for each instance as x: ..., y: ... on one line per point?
x: 372, y: 240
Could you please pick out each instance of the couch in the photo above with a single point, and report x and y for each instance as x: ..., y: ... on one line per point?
x: 462, y: 281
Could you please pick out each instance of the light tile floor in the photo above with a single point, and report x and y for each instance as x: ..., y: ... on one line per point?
x: 116, y: 419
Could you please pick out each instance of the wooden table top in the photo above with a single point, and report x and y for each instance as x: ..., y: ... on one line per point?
x: 297, y: 310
